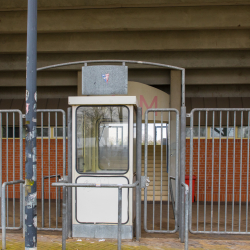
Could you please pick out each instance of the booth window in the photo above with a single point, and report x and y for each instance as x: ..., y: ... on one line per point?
x: 102, y: 139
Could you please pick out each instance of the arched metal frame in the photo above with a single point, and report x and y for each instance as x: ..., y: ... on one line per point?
x: 180, y: 219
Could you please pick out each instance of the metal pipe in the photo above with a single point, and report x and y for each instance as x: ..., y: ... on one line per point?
x: 138, y: 169
x: 182, y: 164
x: 31, y: 109
x: 64, y: 220
x: 186, y: 213
x: 69, y: 216
x: 119, y: 233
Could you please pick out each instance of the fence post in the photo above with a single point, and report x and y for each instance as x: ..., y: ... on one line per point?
x: 182, y: 170
x: 119, y: 240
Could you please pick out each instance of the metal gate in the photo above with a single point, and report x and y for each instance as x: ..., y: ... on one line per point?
x: 51, y: 165
x: 219, y: 160
x: 161, y: 166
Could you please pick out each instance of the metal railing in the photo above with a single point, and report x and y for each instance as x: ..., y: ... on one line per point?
x: 220, y: 161
x: 3, y: 212
x: 88, y: 185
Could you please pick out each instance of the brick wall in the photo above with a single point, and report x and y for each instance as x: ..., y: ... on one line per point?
x: 216, y: 182
x: 45, y: 167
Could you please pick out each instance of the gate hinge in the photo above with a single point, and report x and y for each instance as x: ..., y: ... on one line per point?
x: 188, y: 115
x: 144, y: 181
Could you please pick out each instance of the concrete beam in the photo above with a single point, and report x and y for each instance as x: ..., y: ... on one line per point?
x: 233, y: 90
x: 46, y: 78
x: 217, y: 76
x: 186, y: 59
x: 129, y: 19
x: 81, y: 4
x: 130, y: 41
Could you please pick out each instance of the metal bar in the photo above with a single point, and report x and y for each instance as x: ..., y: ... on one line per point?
x: 22, y: 190
x: 49, y: 167
x: 154, y: 175
x: 64, y: 220
x: 212, y: 189
x: 138, y: 169
x: 42, y: 169
x: 119, y: 240
x: 69, y: 216
x: 64, y: 144
x: 226, y: 173
x: 119, y: 61
x: 219, y: 176
x: 31, y: 112
x: 7, y: 164
x: 161, y: 171
x: 205, y: 198
x: 13, y: 200
x: 191, y: 169
x: 56, y: 172
x: 182, y: 157
x: 172, y: 196
x: 169, y: 180
x: 241, y: 148
x: 233, y: 172
x: 23, y: 187
x: 247, y: 170
x: 198, y: 182
x: 3, y: 210
x: 177, y: 168
x: 145, y: 168
x: 186, y: 191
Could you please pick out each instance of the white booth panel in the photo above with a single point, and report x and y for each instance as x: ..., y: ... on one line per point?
x: 100, y: 205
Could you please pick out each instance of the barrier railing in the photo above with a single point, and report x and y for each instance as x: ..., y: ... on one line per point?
x: 66, y: 185
x: 3, y: 212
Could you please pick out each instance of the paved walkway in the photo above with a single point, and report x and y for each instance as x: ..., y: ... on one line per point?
x: 53, y: 241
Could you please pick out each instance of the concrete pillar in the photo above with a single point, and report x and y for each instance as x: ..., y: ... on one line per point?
x: 79, y: 83
x: 175, y: 102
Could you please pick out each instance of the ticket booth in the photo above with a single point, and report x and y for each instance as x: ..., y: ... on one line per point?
x: 103, y: 151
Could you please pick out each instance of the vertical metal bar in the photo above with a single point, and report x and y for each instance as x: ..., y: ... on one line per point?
x: 1, y: 143
x: 226, y: 173
x: 42, y: 170
x: 69, y: 216
x: 31, y: 100
x: 138, y: 218
x: 154, y: 175
x: 241, y: 148
x: 23, y: 188
x: 3, y: 215
x: 22, y: 191
x: 161, y: 170
x: 248, y: 131
x: 177, y: 168
x: 169, y: 180
x: 7, y: 164
x: 64, y: 221
x: 182, y: 160
x: 119, y: 240
x: 64, y: 145
x: 233, y: 172
x: 14, y: 208
x: 212, y: 189
x: 198, y: 181
x: 145, y: 168
x: 205, y: 198
x: 138, y: 167
x: 49, y: 167
x: 56, y: 171
x: 219, y: 176
x: 186, y: 217
x: 191, y: 169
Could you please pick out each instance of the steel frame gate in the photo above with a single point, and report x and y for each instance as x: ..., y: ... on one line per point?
x: 51, y: 165
x: 220, y: 161
x: 167, y: 115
